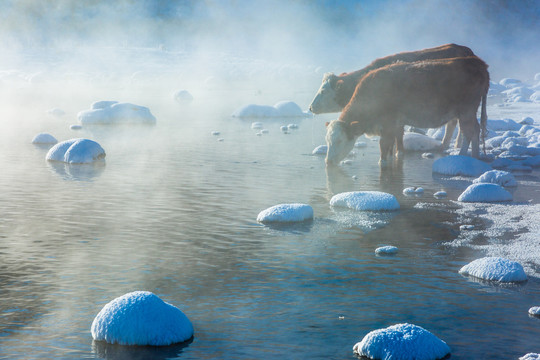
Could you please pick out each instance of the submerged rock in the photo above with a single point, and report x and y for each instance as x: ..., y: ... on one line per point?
x: 495, y: 269
x: 402, y: 342
x: 141, y: 318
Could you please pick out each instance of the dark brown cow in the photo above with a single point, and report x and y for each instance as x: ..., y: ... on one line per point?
x: 423, y: 94
x: 336, y: 90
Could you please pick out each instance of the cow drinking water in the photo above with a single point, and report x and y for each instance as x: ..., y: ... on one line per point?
x: 424, y: 94
x: 336, y: 90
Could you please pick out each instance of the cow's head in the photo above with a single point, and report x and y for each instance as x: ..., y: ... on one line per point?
x: 340, y: 139
x: 325, y: 101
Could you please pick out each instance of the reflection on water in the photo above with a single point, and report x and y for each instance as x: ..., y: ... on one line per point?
x: 173, y: 212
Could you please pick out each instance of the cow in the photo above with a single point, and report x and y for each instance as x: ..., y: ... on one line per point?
x: 424, y: 94
x: 336, y: 90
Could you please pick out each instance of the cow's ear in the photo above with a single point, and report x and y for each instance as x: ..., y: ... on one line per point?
x: 326, y: 124
x: 339, y: 84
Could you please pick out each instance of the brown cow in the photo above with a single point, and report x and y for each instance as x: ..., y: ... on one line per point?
x: 423, y: 94
x: 336, y: 90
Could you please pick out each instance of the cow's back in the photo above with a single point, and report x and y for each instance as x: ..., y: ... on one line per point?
x: 422, y: 94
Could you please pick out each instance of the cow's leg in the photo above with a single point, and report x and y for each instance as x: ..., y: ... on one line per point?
x: 471, y: 134
x: 448, y: 133
x: 386, y: 143
x: 399, y: 142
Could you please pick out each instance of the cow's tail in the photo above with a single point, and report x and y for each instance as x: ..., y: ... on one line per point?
x: 483, y: 122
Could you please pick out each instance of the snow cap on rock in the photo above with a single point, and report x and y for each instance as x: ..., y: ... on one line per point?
x: 286, y: 213
x: 499, y: 177
x: 365, y: 200
x: 76, y: 151
x: 402, y: 342
x: 495, y: 269
x: 141, y: 318
x: 455, y: 165
x: 485, y: 192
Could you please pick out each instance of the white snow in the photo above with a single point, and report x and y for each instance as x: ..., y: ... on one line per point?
x: 455, y: 165
x: 530, y: 356
x: 440, y: 194
x: 76, y: 151
x: 320, y: 150
x: 141, y: 318
x: 417, y: 142
x: 386, y: 250
x: 485, y: 192
x: 365, y: 200
x: 286, y: 213
x: 402, y: 342
x: 44, y: 138
x: 413, y: 190
x: 499, y: 177
x: 112, y: 112
x: 534, y: 311
x: 495, y: 269
x: 283, y: 109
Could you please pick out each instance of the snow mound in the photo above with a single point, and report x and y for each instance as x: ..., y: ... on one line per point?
x: 534, y: 311
x: 440, y: 194
x: 499, y: 177
x: 503, y: 125
x: 417, y: 142
x: 286, y: 213
x: 279, y: 110
x: 320, y: 150
x: 455, y: 165
x: 530, y: 356
x: 402, y: 342
x: 386, y: 250
x: 44, y: 138
x: 365, y: 200
x: 495, y: 269
x: 112, y: 112
x: 141, y: 318
x: 183, y: 97
x: 485, y: 192
x: 76, y: 151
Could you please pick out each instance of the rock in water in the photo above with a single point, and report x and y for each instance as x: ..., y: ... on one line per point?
x: 141, y: 318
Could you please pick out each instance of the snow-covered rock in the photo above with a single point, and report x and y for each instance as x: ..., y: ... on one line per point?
x: 440, y: 194
x: 417, y: 142
x: 112, y: 112
x: 530, y: 356
x: 510, y: 82
x: 483, y: 192
x: 386, y: 250
x: 534, y: 311
x: 495, y: 269
x: 320, y: 150
x: 286, y: 213
x: 499, y: 177
x: 141, y: 318
x: 280, y: 110
x: 503, y: 125
x: 76, y: 151
x: 456, y: 165
x: 365, y: 200
x: 44, y: 138
x: 402, y: 342
x: 183, y: 97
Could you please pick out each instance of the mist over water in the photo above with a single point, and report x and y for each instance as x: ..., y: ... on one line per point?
x: 173, y: 209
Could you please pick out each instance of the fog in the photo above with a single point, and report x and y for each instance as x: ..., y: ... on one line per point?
x: 69, y: 54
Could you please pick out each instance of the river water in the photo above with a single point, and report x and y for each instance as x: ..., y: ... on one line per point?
x: 173, y: 212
